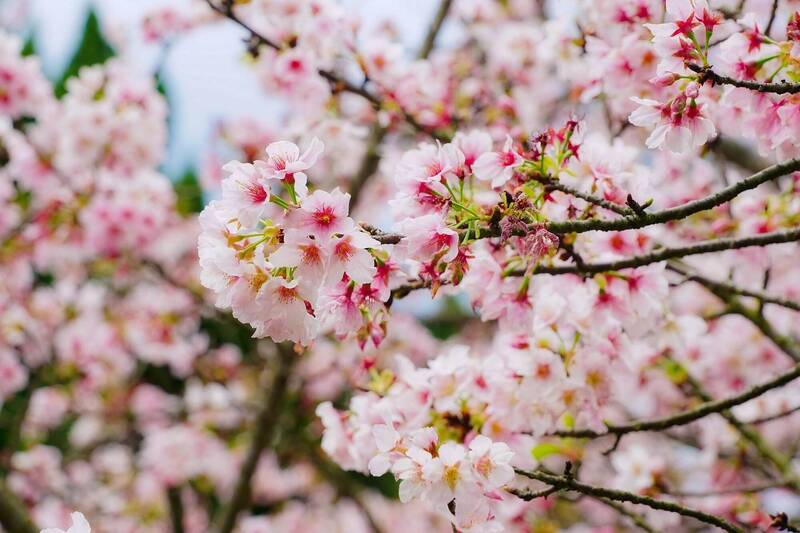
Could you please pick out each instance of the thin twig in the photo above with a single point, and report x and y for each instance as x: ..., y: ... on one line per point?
x: 592, y: 199
x: 707, y: 74
x: 703, y: 247
x: 337, y: 82
x: 569, y: 483
x: 731, y: 490
x: 786, y: 344
x: 372, y: 156
x: 733, y: 289
x: 637, y: 519
x: 772, y: 15
x: 686, y: 417
x: 748, y: 433
x: 772, y: 418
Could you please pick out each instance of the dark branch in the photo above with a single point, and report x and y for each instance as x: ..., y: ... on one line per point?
x: 596, y: 200
x: 733, y: 289
x: 372, y: 157
x: 175, y: 509
x: 265, y: 426
x: 704, y: 247
x: 637, y: 519
x: 14, y: 516
x: 707, y: 74
x: 569, y: 483
x: 689, y: 416
x: 337, y: 82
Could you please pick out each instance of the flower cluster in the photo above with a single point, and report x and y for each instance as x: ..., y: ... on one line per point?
x: 291, y: 266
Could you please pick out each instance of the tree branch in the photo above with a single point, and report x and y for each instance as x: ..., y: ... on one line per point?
x: 175, y: 509
x: 703, y: 247
x: 681, y: 211
x: 433, y: 30
x: 648, y: 219
x: 596, y: 200
x: 685, y: 417
x: 338, y: 83
x: 772, y: 418
x: 372, y: 156
x: 707, y: 74
x: 748, y: 433
x: 733, y: 289
x: 264, y: 430
x: 788, y: 345
x: 638, y: 520
x: 569, y: 483
x: 14, y: 517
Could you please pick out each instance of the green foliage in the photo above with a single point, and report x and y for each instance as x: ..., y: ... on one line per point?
x: 222, y: 328
x: 93, y: 49
x: 450, y: 320
x: 545, y: 449
x: 29, y: 48
x: 385, y: 484
x: 189, y: 193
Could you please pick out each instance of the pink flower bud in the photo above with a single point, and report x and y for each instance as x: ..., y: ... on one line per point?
x: 664, y: 80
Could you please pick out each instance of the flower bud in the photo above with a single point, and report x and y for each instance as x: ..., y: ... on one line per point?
x: 692, y: 90
x: 664, y: 80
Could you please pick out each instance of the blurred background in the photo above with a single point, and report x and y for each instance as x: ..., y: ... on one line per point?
x: 202, y: 73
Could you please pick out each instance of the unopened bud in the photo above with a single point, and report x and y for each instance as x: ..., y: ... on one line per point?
x: 664, y: 80
x: 793, y: 28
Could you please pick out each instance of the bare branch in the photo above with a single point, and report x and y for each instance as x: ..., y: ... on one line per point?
x: 704, y: 247
x: 265, y: 426
x: 14, y: 517
x: 707, y: 74
x: 735, y: 290
x: 175, y: 509
x: 689, y: 416
x: 372, y: 157
x: 571, y: 484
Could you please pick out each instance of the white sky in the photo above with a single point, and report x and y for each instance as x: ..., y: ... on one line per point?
x: 206, y: 80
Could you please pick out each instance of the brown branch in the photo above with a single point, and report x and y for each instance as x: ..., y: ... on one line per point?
x: 788, y: 345
x: 337, y: 82
x: 730, y: 490
x: 686, y: 417
x: 637, y: 519
x: 339, y: 480
x: 265, y: 426
x: 772, y: 15
x: 433, y: 30
x: 748, y: 433
x: 707, y: 74
x: 372, y: 156
x: 175, y: 509
x: 735, y: 290
x: 648, y: 219
x: 571, y: 484
x: 772, y: 418
x: 703, y: 247
x: 592, y: 199
x: 14, y: 517
x: 679, y: 212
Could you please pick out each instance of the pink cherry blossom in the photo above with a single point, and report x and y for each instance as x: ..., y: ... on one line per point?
x: 79, y: 525
x: 498, y: 167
